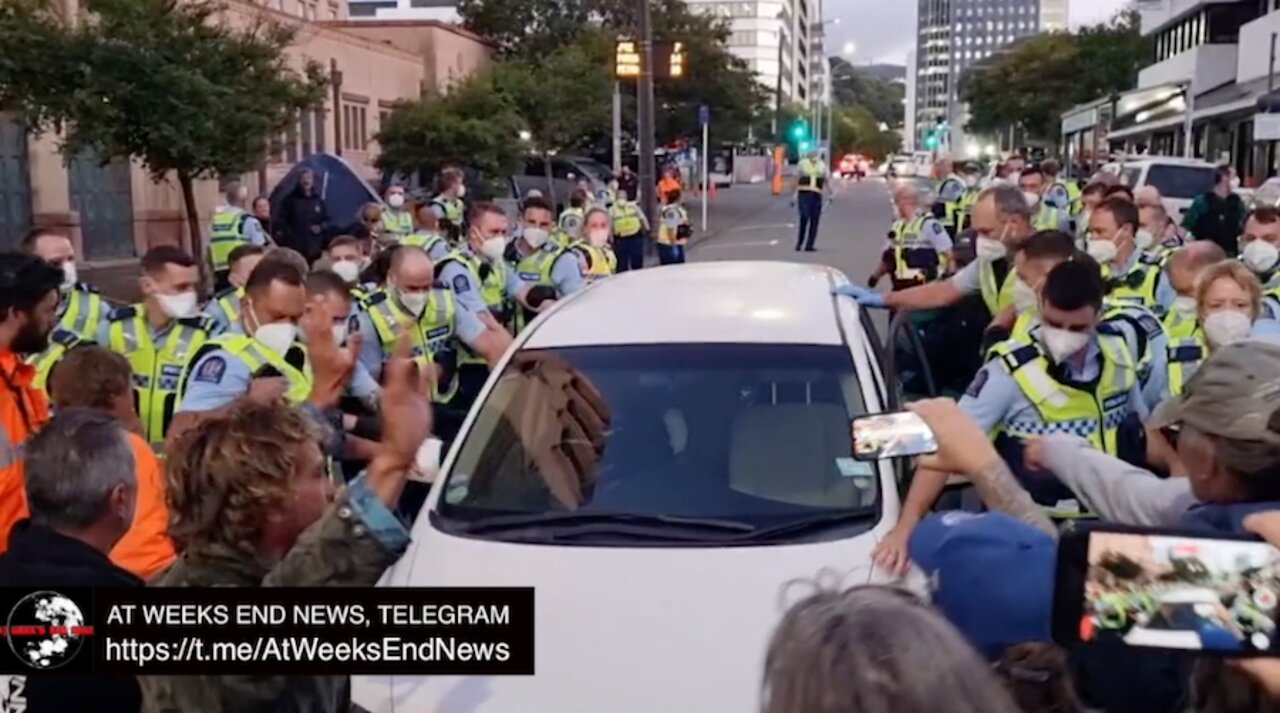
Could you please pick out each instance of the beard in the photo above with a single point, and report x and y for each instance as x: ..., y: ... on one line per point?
x: 31, y: 340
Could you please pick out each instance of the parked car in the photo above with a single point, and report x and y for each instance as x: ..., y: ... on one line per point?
x: 726, y: 472
x: 565, y: 173
x: 1179, y: 180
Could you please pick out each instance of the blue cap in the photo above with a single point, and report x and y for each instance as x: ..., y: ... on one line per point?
x: 991, y: 576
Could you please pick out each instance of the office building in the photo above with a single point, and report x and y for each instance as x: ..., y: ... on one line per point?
x: 776, y: 38
x: 954, y: 35
x: 439, y: 10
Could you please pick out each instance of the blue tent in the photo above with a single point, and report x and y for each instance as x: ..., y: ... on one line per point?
x: 343, y: 190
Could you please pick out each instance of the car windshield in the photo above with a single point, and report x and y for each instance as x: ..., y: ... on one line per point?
x: 743, y: 438
x: 597, y: 170
x: 1183, y: 182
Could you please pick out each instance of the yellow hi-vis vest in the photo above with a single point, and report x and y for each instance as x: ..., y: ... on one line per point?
x: 434, y: 333
x: 1074, y: 196
x: 61, y: 341
x: 964, y: 208
x: 256, y: 357
x: 229, y: 302
x: 915, y: 259
x: 996, y: 296
x: 425, y: 240
x: 396, y: 224
x: 1139, y: 318
x: 600, y: 262
x: 158, y: 369
x: 1047, y: 218
x: 626, y: 219
x: 85, y: 310
x: 227, y: 235
x: 1138, y: 286
x: 536, y: 268
x: 1178, y: 326
x: 1185, y: 356
x: 493, y: 290
x: 1063, y: 408
x: 813, y: 175
x: 571, y: 221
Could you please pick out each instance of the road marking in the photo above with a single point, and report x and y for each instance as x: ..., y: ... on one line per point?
x: 760, y: 227
x: 738, y: 245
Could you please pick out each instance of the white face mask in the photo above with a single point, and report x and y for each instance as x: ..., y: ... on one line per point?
x: 348, y: 270
x: 1225, y: 327
x: 599, y: 237
x: 492, y: 249
x: 1185, y: 306
x: 1235, y: 184
x: 1032, y: 198
x: 535, y: 237
x: 395, y: 200
x: 415, y: 302
x: 69, y: 275
x: 1013, y: 177
x: 462, y: 190
x: 1025, y: 299
x: 276, y: 336
x: 339, y: 332
x: 1104, y: 251
x: 970, y: 181
x: 1260, y: 255
x: 177, y: 306
x: 1143, y: 239
x: 1061, y: 343
x: 990, y: 249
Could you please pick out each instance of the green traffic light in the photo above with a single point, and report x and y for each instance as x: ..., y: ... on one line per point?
x: 804, y: 146
x: 799, y: 130
x: 931, y: 142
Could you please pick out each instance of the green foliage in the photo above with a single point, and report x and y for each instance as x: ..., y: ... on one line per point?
x: 1040, y: 78
x: 856, y: 130
x: 852, y: 86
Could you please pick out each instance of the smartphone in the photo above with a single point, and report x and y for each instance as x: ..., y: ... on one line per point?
x: 891, y: 435
x: 1160, y: 589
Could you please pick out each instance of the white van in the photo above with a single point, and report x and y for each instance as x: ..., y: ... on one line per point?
x: 1179, y: 180
x: 660, y: 564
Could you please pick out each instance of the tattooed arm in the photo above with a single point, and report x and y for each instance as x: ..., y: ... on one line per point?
x: 1002, y: 492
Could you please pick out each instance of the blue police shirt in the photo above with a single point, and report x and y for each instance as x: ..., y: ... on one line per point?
x: 995, y: 399
x: 1058, y: 197
x: 254, y: 233
x: 464, y: 283
x: 1155, y: 381
x: 951, y: 190
x: 438, y: 250
x: 221, y: 320
x: 566, y: 273
x: 467, y: 328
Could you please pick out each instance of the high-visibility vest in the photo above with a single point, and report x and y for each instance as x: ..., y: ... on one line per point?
x: 813, y: 175
x: 396, y: 223
x: 1178, y: 326
x: 964, y: 211
x: 1138, y: 318
x: 536, y: 268
x: 425, y: 240
x: 1066, y: 408
x: 229, y: 302
x: 61, y: 341
x: 454, y: 211
x: 1138, y: 286
x: 626, y: 219
x: 600, y: 262
x: 256, y: 357
x: 997, y: 293
x: 1074, y: 196
x: 158, y: 369
x: 669, y: 221
x: 1185, y: 356
x: 915, y: 260
x: 493, y: 290
x: 1047, y: 218
x: 85, y: 310
x: 227, y: 235
x: 571, y: 221
x: 434, y: 333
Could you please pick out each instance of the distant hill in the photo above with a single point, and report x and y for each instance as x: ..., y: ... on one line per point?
x: 887, y: 72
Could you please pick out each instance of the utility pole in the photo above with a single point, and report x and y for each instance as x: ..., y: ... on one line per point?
x: 617, y: 128
x: 1188, y: 129
x: 644, y: 121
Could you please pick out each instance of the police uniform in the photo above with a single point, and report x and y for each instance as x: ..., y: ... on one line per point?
x: 435, y: 245
x: 597, y: 262
x: 1065, y: 196
x: 1049, y: 218
x: 571, y: 221
x: 948, y: 206
x: 916, y: 250
x: 994, y: 279
x: 555, y: 266
x: 480, y: 287
x: 436, y: 335
x: 396, y: 224
x: 674, y: 232
x: 61, y: 341
x: 452, y: 215
x: 232, y: 227
x: 627, y: 219
x: 810, y: 183
x: 1185, y: 356
x: 158, y: 359
x: 1271, y: 299
x: 224, y: 309
x: 1178, y: 325
x: 81, y: 314
x: 1140, y: 281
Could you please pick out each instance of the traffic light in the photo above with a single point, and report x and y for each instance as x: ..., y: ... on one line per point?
x: 931, y: 141
x: 804, y: 146
x: 799, y: 130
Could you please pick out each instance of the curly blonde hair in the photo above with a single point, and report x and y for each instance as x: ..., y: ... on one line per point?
x: 225, y: 476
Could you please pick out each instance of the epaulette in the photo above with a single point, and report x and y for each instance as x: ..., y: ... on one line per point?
x: 375, y: 298
x: 1020, y: 357
x: 202, y: 322
x: 65, y: 337
x: 122, y: 313
x: 85, y: 287
x: 224, y: 293
x: 1151, y: 259
x: 1184, y: 353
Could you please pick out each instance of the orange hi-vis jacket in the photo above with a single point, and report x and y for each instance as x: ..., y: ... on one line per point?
x: 23, y: 412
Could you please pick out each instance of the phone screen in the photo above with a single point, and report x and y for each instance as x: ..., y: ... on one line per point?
x: 1176, y: 592
x: 889, y: 435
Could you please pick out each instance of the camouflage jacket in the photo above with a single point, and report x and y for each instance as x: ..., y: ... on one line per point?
x: 350, y: 545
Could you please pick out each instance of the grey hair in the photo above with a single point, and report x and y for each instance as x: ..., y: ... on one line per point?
x: 1009, y: 201
x: 73, y: 464
x: 232, y: 191
x: 870, y: 649
x: 907, y: 189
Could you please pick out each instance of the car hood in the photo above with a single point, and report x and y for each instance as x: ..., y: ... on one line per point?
x: 618, y: 629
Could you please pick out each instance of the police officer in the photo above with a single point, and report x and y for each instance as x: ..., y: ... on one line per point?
x: 629, y: 227
x: 160, y: 335
x: 598, y: 258
x: 1061, y: 193
x: 1183, y: 267
x: 918, y: 249
x: 1131, y: 276
x: 448, y: 206
x: 224, y: 307
x: 1090, y: 198
x: 1002, y: 223
x: 1260, y: 251
x: 1043, y: 216
x: 956, y: 195
x: 81, y: 310
x: 811, y: 186
x: 674, y: 230
x: 397, y: 223
x: 571, y: 219
x: 1068, y: 378
x: 233, y: 226
x: 949, y: 192
x: 427, y: 234
x: 346, y: 259
x: 545, y: 270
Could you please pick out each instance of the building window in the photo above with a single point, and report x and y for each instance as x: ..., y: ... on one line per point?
x: 355, y: 131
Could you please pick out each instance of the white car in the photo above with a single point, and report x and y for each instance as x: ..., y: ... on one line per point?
x: 1179, y: 180
x: 660, y: 568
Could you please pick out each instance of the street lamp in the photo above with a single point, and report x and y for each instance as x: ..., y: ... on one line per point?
x: 525, y: 135
x: 849, y: 49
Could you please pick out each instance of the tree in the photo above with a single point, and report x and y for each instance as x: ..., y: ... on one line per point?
x: 1038, y: 79
x: 854, y: 87
x: 856, y: 130
x: 164, y: 82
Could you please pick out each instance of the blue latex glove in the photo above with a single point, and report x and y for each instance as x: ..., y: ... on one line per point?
x: 863, y: 295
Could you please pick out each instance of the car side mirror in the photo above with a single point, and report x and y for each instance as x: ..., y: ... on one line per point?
x: 426, y: 464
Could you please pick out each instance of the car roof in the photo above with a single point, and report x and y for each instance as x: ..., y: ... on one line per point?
x: 723, y: 302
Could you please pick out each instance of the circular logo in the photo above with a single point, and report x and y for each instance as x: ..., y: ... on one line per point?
x: 40, y: 630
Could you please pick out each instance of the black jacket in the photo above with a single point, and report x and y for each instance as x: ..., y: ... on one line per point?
x: 39, y: 557
x: 298, y: 214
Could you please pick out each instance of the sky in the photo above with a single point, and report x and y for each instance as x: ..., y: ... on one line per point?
x: 885, y: 31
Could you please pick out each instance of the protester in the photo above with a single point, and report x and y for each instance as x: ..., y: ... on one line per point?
x: 1039, y: 679
x: 93, y: 377
x: 1217, y: 214
x: 262, y: 211
x: 304, y: 219
x: 81, y: 487
x: 250, y: 503
x: 874, y: 649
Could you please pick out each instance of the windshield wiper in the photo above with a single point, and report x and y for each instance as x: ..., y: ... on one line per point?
x: 553, y: 519
x: 816, y: 523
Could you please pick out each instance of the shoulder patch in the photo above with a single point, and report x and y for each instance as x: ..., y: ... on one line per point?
x: 200, y: 322
x: 976, y: 386
x: 353, y: 323
x: 375, y: 298
x: 1150, y: 325
x: 211, y: 371
x: 461, y: 284
x: 122, y: 313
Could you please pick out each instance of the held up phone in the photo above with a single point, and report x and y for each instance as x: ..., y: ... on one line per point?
x: 891, y: 435
x: 1160, y: 589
